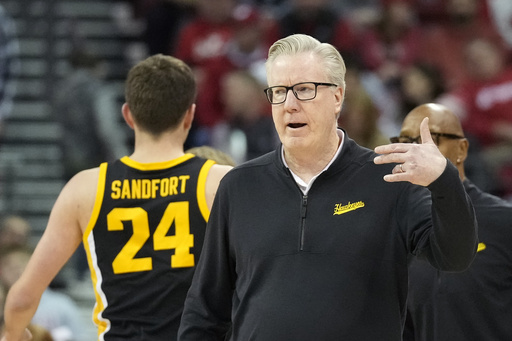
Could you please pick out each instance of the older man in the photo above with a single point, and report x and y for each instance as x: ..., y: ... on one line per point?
x: 311, y: 241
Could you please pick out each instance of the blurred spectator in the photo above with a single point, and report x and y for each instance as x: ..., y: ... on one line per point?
x: 386, y: 101
x: 246, y: 49
x: 420, y: 83
x: 500, y: 11
x: 484, y: 103
x: 430, y: 11
x: 199, y: 44
x: 14, y: 231
x: 443, y: 43
x: 8, y: 65
x: 359, y: 115
x: 205, y: 36
x: 128, y: 16
x: 248, y: 130
x: 57, y: 312
x: 163, y: 21
x: 210, y: 153
x: 86, y: 108
x: 393, y: 43
x: 252, y: 36
x: 320, y: 19
x: 359, y: 14
x: 39, y: 333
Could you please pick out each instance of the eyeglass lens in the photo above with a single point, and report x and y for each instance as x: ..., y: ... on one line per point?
x: 302, y: 91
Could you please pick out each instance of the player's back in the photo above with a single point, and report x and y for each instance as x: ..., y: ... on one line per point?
x: 143, y: 242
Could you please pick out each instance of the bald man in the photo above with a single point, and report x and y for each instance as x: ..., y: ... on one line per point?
x: 474, y: 304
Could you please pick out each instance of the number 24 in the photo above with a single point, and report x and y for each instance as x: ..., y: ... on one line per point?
x: 181, y: 242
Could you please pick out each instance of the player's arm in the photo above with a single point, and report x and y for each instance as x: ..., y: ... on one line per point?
x: 216, y: 174
x: 61, y: 238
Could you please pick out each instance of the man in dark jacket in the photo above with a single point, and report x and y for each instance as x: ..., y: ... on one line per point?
x: 312, y: 241
x: 474, y: 304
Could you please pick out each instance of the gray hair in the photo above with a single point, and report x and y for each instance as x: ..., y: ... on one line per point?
x: 300, y: 43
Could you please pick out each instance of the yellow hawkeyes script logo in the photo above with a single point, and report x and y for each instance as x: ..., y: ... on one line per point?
x: 340, y: 208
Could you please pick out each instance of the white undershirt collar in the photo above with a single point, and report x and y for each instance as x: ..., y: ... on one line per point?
x: 301, y: 183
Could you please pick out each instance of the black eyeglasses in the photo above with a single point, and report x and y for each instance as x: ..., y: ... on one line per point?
x: 417, y: 139
x: 303, y: 91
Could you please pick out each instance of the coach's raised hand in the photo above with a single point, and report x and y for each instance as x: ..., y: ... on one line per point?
x: 419, y: 164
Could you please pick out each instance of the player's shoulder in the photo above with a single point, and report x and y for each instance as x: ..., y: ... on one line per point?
x: 83, y: 184
x: 220, y: 170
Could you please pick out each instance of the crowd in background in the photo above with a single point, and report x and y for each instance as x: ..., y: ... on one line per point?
x: 58, y: 317
x: 399, y: 54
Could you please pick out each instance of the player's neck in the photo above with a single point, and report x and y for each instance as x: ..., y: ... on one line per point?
x: 164, y: 148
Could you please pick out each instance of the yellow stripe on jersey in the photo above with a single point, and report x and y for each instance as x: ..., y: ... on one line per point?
x: 89, y: 246
x: 201, y: 189
x: 156, y: 165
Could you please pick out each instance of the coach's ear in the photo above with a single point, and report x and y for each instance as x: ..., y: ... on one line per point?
x: 127, y: 115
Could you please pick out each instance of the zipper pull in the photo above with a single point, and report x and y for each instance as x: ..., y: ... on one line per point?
x: 304, y: 205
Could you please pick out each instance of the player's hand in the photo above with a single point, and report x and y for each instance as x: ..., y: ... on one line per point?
x: 419, y: 164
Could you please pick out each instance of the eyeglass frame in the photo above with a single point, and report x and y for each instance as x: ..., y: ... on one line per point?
x: 395, y: 139
x: 288, y: 88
